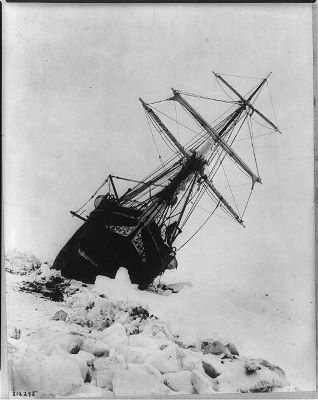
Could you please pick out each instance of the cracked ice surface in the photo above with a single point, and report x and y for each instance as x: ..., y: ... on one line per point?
x: 111, y: 339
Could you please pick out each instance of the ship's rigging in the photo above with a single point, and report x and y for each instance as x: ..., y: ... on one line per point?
x: 212, y: 144
x: 145, y: 219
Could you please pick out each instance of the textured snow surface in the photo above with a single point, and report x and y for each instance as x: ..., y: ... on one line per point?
x: 111, y: 339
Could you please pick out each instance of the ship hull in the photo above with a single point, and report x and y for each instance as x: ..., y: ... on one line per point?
x: 102, y: 245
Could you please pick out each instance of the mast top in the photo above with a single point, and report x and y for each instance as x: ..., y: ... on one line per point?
x: 247, y: 102
x: 143, y: 102
x: 175, y: 91
x: 216, y: 74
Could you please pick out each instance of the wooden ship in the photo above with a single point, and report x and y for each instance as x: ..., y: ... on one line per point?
x: 137, y: 228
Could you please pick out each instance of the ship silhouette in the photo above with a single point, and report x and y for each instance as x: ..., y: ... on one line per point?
x: 137, y: 228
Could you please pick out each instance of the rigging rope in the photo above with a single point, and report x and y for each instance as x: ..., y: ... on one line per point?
x: 255, y: 137
x: 221, y: 115
x: 159, y: 129
x: 154, y: 180
x: 200, y: 227
x: 197, y: 141
x: 197, y: 197
x: 168, y: 144
x: 156, y: 170
x: 246, y: 94
x: 249, y: 196
x: 207, y: 98
x: 241, y: 76
x: 230, y: 189
x: 93, y: 195
x: 153, y: 138
x: 270, y: 96
x: 205, y: 136
x: 185, y: 198
x: 159, y: 101
x: 161, y: 112
x: 175, y: 109
x: 250, y: 130
x: 201, y: 192
x: 134, y: 180
x: 225, y: 154
x: 264, y: 126
x: 216, y: 215
x: 194, y: 143
x: 215, y: 199
x: 223, y: 90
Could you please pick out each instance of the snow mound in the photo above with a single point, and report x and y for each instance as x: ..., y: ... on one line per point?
x: 118, y: 288
x: 38, y: 277
x: 20, y: 263
x: 99, y: 312
x: 102, y: 340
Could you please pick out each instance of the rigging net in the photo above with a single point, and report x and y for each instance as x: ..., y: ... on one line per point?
x: 228, y: 126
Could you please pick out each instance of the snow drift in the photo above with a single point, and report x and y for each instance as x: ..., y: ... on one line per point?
x: 67, y: 339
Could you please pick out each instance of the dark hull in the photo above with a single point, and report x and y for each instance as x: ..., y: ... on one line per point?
x: 102, y: 245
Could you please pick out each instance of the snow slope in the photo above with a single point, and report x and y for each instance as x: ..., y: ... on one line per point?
x: 261, y: 323
x: 112, y: 339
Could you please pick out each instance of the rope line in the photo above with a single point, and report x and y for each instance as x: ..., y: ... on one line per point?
x: 200, y: 227
x: 230, y: 189
x: 264, y: 126
x: 223, y: 90
x: 241, y: 76
x: 250, y: 130
x: 270, y: 96
x: 161, y: 112
x: 93, y: 195
x: 159, y: 101
x: 175, y: 109
x: 223, y: 207
x: 153, y: 138
x: 229, y: 131
x: 207, y: 98
x: 249, y: 196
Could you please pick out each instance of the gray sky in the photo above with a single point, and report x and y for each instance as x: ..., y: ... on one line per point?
x: 72, y: 78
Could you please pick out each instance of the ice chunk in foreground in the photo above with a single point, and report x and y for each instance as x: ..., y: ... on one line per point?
x: 165, y: 360
x: 179, y: 381
x: 201, y: 383
x: 56, y: 374
x: 90, y: 391
x: 47, y: 341
x: 85, y: 356
x: 137, y: 383
x: 118, y: 288
x: 114, y: 336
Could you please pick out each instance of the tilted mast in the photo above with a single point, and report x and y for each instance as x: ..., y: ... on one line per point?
x: 214, y: 134
x: 164, y: 128
x: 193, y: 162
x: 216, y: 139
x: 138, y: 229
x: 246, y: 102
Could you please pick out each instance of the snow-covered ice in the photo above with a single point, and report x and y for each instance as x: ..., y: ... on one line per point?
x: 112, y: 339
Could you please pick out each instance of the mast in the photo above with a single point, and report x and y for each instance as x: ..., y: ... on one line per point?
x: 175, y: 232
x: 134, y: 192
x: 162, y: 199
x: 215, y: 136
x: 246, y: 102
x: 222, y: 199
x: 164, y: 128
x: 193, y: 163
